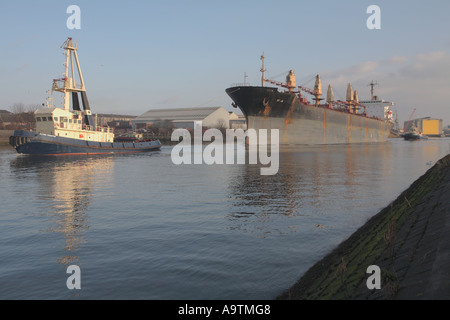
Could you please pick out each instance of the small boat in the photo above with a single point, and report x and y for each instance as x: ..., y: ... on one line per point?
x: 71, y: 129
x: 414, y: 134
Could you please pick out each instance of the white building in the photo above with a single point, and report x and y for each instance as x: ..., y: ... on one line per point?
x: 187, y: 118
x: 237, y: 121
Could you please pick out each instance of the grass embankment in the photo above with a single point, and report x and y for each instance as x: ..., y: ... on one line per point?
x: 342, y: 273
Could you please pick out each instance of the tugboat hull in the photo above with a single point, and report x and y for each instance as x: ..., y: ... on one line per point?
x: 26, y: 142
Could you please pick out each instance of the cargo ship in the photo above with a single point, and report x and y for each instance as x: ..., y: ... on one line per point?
x: 300, y: 121
x: 71, y: 129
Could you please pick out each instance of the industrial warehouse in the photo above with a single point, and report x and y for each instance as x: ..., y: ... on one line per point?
x: 188, y: 118
x: 430, y: 127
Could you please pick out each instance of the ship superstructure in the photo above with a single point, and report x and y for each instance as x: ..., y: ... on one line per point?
x: 77, y: 123
x: 379, y: 108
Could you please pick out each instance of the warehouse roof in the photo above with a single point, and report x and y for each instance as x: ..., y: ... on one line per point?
x: 177, y: 114
x: 426, y: 118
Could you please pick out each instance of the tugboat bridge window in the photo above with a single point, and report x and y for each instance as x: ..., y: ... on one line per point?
x: 44, y: 118
x: 38, y: 119
x: 56, y: 119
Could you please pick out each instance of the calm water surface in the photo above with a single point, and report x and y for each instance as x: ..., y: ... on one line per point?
x: 140, y: 227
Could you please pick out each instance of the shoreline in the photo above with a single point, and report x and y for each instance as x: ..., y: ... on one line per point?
x: 408, y: 240
x: 4, y: 137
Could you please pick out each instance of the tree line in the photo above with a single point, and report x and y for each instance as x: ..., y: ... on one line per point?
x: 19, y: 116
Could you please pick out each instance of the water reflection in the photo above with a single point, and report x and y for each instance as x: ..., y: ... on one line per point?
x: 64, y: 191
x: 311, y: 181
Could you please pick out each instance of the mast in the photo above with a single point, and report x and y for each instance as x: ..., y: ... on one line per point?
x: 263, y: 79
x: 68, y: 85
x: 372, y: 84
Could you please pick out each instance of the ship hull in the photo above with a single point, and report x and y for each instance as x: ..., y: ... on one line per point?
x: 414, y: 136
x: 26, y: 142
x: 298, y: 123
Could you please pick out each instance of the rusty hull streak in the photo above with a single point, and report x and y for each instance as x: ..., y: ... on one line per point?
x: 289, y: 113
x: 349, y: 128
x: 367, y: 130
x: 267, y: 108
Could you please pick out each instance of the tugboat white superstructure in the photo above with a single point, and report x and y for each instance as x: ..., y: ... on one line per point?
x: 66, y: 131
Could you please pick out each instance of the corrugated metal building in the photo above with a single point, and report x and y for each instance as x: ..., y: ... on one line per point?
x: 102, y: 119
x: 187, y: 118
x: 428, y: 126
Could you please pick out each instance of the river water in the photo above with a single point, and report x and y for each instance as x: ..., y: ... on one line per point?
x: 140, y: 227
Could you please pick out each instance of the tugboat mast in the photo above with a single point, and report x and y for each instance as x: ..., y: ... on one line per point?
x: 68, y: 84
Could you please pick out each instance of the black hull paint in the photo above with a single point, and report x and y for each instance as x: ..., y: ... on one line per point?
x: 414, y: 136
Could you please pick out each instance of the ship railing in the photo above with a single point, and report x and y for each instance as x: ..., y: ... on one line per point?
x: 65, y: 83
x: 97, y: 129
x: 246, y: 84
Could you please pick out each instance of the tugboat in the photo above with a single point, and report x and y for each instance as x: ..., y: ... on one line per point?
x: 66, y: 131
x: 414, y: 134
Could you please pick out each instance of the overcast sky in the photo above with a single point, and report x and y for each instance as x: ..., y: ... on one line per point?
x: 142, y: 55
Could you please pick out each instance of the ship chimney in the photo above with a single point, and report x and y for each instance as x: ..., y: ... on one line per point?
x: 330, y: 94
x: 355, y: 97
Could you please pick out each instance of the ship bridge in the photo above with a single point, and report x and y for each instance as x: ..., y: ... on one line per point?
x: 59, y: 122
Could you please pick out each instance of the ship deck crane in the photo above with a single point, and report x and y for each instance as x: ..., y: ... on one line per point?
x: 307, y: 90
x: 278, y: 83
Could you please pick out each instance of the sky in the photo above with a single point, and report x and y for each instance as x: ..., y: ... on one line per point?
x: 140, y: 55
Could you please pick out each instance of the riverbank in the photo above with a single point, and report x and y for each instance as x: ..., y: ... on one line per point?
x: 4, y: 137
x: 408, y: 240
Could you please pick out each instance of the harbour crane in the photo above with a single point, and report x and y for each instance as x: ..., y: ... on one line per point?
x: 409, y: 120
